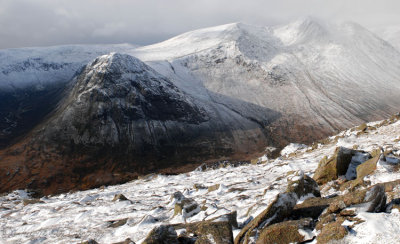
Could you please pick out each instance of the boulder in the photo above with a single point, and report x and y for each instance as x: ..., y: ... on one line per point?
x: 163, y: 234
x: 330, y: 168
x: 199, y: 187
x: 389, y: 186
x: 91, y: 241
x: 212, y: 232
x: 302, y: 185
x: 311, y: 207
x: 209, y: 231
x: 276, y: 212
x: 323, y: 220
x: 187, y: 207
x: 374, y: 199
x: 213, y: 187
x: 177, y: 196
x: 117, y: 223
x: 127, y: 241
x: 231, y: 218
x: 31, y: 201
x: 331, y: 231
x: 120, y: 197
x: 362, y: 127
x: 286, y: 232
x: 362, y: 170
x: 357, y: 159
x: 367, y: 167
x: 336, y: 206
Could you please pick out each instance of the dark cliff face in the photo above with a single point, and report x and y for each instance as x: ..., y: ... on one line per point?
x: 22, y: 109
x: 119, y: 101
x: 121, y: 119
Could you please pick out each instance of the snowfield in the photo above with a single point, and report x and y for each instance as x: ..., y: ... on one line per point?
x: 79, y: 216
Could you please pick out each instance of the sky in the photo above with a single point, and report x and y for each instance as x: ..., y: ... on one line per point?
x: 56, y: 22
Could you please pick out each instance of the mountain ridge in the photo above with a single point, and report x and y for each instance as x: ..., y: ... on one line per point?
x: 219, y: 93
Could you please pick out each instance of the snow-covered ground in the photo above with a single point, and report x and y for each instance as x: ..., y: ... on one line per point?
x: 79, y: 216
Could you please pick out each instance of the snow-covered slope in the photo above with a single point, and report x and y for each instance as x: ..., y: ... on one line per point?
x: 22, y: 67
x: 80, y: 216
x: 390, y: 34
x: 337, y: 74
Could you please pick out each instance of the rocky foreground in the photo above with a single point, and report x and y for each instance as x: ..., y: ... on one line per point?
x: 344, y: 189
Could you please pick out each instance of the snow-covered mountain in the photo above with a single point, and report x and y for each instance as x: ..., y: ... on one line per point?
x: 225, y: 92
x: 32, y: 82
x: 338, y: 75
x: 119, y: 119
x: 39, y: 66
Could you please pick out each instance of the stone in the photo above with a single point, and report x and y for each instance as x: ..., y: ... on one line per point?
x: 375, y: 197
x: 311, y: 207
x: 302, y: 185
x: 178, y: 196
x: 187, y: 207
x: 358, y: 159
x: 285, y: 232
x: 163, y: 234
x: 91, y: 241
x: 336, y: 206
x: 325, y: 219
x: 389, y: 186
x: 205, y: 232
x: 231, y: 218
x: 376, y: 152
x: 347, y: 213
x: 362, y: 127
x: 31, y: 201
x: 330, y: 168
x: 120, y: 197
x: 199, y: 187
x: 276, y: 212
x: 127, y: 241
x: 213, y: 187
x: 331, y: 231
x: 212, y: 232
x: 117, y: 223
x: 366, y: 168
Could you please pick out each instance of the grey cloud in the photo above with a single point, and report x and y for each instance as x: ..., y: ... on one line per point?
x: 53, y: 22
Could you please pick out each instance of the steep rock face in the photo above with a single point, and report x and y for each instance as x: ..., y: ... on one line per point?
x: 33, y: 80
x: 121, y: 119
x: 114, y: 99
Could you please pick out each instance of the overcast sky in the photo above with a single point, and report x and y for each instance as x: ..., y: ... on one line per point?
x: 53, y: 22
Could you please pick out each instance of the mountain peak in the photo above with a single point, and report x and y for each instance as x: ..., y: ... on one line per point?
x: 301, y: 30
x: 117, y: 63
